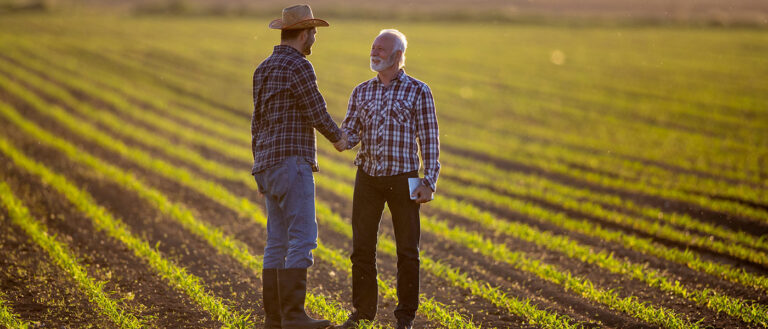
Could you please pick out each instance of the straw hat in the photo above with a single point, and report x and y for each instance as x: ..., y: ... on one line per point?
x: 295, y: 18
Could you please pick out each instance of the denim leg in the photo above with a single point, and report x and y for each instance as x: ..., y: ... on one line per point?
x: 367, y: 205
x: 277, y: 235
x: 291, y: 227
x: 299, y: 211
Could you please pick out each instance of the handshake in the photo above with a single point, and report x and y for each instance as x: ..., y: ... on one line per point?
x: 342, y: 143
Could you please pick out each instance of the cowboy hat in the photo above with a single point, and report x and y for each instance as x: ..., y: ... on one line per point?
x: 295, y: 18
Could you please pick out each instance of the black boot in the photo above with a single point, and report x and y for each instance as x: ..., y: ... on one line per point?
x: 271, y: 298
x: 292, y: 283
x: 402, y: 324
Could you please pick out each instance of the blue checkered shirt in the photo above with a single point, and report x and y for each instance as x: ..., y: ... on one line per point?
x: 391, y: 124
x: 287, y: 107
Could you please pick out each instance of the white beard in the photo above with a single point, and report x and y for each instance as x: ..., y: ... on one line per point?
x: 383, y: 64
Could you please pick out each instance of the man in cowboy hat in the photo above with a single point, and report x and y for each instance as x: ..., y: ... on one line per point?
x: 394, y: 119
x: 287, y: 109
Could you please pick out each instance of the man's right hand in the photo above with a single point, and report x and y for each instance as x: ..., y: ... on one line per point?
x: 341, y: 144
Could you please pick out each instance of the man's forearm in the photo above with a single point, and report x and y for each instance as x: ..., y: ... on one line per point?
x: 328, y: 128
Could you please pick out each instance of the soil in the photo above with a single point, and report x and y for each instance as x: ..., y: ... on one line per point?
x: 39, y: 291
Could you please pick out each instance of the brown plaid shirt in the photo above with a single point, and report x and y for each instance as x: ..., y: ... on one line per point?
x: 286, y: 107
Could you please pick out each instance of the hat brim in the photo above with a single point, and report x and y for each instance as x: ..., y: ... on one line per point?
x: 305, y: 24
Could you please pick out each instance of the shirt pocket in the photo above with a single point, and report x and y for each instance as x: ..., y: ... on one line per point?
x: 402, y: 112
x: 367, y: 109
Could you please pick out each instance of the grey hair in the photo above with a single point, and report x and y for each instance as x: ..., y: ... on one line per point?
x: 401, y: 44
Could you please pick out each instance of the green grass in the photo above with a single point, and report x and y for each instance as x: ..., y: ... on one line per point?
x: 546, y: 153
x: 565, y: 154
x: 214, y: 191
x: 8, y: 318
x: 539, y: 187
x: 66, y: 260
x: 632, y: 113
x: 60, y: 115
x: 736, y: 307
x: 631, y: 165
x: 515, y: 306
x: 115, y: 228
x: 645, y: 245
x: 144, y: 136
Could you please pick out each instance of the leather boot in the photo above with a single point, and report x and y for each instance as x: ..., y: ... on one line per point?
x: 292, y: 283
x: 271, y: 298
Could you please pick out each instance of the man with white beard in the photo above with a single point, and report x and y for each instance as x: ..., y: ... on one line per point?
x: 392, y: 116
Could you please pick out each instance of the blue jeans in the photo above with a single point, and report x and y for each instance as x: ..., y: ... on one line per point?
x: 289, y: 191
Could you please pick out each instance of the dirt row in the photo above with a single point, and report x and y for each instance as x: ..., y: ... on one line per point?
x: 195, y: 255
x: 456, y: 255
x: 172, y: 243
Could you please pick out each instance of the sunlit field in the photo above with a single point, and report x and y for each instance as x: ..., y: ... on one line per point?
x: 593, y: 176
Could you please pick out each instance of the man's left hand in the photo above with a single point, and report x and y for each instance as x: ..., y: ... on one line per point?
x: 423, y: 194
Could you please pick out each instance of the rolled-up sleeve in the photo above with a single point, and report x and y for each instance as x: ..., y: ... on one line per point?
x: 428, y: 135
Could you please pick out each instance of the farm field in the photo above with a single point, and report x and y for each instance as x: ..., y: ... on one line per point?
x: 596, y: 177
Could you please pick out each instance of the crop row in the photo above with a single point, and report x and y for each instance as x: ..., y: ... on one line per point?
x: 223, y: 243
x: 174, y: 51
x: 735, y: 307
x: 452, y: 275
x: 536, y: 159
x: 651, y: 314
x: 529, y: 184
x: 540, y: 154
x: 699, y: 297
x: 175, y: 48
x: 153, y: 119
x: 146, y: 137
x: 216, y: 192
x: 563, y: 196
x: 65, y: 259
x: 524, y: 185
x: 690, y: 181
x: 8, y: 318
x: 643, y: 245
x: 657, y: 229
x: 188, y: 58
x: 150, y: 118
x: 103, y: 138
x: 630, y: 166
x: 115, y: 228
x: 190, y: 119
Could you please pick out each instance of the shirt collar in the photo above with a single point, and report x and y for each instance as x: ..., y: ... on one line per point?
x: 400, y: 76
x: 286, y: 49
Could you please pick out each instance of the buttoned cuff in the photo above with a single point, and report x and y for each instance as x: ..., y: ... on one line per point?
x: 429, y: 184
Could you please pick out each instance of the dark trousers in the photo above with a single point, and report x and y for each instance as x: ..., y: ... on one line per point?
x: 371, y: 192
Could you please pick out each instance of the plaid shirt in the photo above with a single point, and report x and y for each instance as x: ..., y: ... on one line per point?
x: 391, y: 124
x: 286, y: 108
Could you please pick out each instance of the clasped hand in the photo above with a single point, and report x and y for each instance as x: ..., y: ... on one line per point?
x: 341, y: 144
